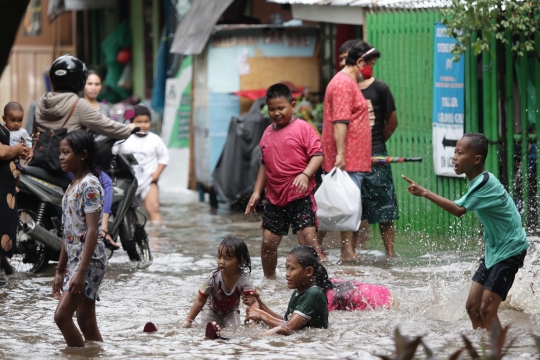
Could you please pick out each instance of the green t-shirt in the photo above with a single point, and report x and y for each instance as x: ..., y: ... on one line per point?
x: 503, y: 234
x: 312, y: 305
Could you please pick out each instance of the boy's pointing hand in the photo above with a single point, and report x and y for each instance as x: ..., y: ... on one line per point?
x: 414, y: 188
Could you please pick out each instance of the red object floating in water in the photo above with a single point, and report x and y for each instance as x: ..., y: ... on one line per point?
x: 150, y: 327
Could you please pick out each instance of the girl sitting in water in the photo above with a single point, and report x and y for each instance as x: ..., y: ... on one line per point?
x: 340, y: 294
x: 307, y: 306
x: 219, y: 295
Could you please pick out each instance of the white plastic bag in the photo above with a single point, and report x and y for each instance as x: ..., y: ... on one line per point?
x: 339, y: 203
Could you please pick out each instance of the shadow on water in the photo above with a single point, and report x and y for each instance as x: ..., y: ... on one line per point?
x: 430, y: 278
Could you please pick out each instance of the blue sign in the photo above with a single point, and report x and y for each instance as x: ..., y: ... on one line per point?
x: 448, y: 101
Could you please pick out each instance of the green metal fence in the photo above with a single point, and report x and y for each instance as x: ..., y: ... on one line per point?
x: 405, y: 40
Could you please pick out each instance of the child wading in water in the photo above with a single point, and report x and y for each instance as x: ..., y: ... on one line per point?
x: 291, y: 154
x: 83, y: 260
x: 308, y: 305
x: 219, y: 295
x: 152, y: 155
x: 506, y: 243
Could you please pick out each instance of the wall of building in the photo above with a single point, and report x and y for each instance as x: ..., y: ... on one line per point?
x: 276, y: 55
x: 262, y: 10
x: 23, y: 79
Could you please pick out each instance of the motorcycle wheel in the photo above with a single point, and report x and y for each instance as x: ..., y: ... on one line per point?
x: 30, y: 255
x: 132, y: 230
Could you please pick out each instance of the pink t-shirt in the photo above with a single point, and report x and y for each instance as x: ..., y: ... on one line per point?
x: 354, y: 295
x: 344, y: 101
x: 286, y: 152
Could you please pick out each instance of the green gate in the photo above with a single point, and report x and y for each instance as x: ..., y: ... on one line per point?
x: 405, y: 40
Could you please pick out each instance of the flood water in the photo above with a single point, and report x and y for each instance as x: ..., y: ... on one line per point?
x: 430, y: 278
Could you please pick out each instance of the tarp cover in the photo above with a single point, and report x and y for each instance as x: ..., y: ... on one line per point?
x: 237, y: 168
x: 196, y: 27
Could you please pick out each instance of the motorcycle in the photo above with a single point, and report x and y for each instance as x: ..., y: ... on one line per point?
x: 39, y: 237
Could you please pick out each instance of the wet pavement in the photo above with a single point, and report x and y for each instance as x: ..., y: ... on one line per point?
x: 430, y: 278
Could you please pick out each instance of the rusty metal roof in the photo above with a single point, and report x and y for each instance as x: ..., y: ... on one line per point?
x: 404, y: 4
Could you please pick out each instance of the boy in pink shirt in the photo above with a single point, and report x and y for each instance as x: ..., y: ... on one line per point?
x: 291, y: 154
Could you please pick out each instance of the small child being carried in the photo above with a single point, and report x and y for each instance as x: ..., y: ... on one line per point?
x: 13, y: 117
x: 219, y: 295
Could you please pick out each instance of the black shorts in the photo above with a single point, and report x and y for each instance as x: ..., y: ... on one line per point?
x: 500, y: 277
x: 298, y: 213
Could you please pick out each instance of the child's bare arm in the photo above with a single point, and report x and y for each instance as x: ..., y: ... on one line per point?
x: 301, y: 181
x: 280, y: 326
x: 78, y: 281
x: 272, y: 320
x: 296, y: 322
x: 438, y: 200
x: 60, y: 273
x: 255, y: 298
x: 157, y: 173
x: 195, y: 310
x: 314, y: 165
x: 259, y: 187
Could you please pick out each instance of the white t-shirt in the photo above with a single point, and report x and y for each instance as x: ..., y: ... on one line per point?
x: 149, y: 150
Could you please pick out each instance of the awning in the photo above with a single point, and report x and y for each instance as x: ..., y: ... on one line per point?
x: 57, y: 7
x: 196, y: 27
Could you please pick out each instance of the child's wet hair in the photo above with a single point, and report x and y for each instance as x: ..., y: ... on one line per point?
x: 79, y: 141
x: 279, y: 90
x: 307, y: 256
x: 236, y: 247
x: 141, y: 110
x: 12, y: 106
x: 479, y: 143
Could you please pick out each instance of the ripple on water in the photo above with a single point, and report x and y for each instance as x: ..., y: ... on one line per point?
x: 430, y: 285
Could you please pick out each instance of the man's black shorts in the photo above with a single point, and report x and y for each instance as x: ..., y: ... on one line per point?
x: 298, y: 213
x: 500, y: 277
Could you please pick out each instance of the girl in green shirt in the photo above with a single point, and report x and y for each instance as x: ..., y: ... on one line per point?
x: 308, y: 304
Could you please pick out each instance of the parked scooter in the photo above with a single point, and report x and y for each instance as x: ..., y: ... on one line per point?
x: 39, y: 238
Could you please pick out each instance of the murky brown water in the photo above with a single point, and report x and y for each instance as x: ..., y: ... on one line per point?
x: 430, y: 279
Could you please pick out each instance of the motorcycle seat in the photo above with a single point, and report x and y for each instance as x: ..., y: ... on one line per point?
x: 40, y: 173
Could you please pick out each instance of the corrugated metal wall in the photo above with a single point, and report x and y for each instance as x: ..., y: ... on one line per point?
x: 405, y: 40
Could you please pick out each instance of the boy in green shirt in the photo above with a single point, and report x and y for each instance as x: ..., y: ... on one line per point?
x: 506, y: 242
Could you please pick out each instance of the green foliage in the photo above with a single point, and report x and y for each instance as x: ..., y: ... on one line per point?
x: 493, y: 18
x: 406, y: 348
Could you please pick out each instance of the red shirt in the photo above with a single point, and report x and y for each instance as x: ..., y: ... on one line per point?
x: 344, y: 102
x: 286, y: 152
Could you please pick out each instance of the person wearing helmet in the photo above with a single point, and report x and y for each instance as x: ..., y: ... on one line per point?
x: 68, y: 78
